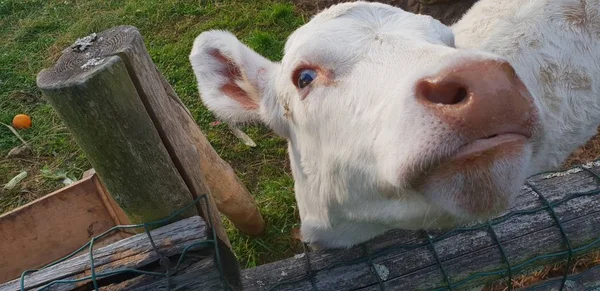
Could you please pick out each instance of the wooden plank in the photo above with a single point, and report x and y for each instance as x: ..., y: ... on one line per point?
x: 132, y: 252
x: 51, y: 227
x: 199, y: 275
x: 230, y: 195
x: 99, y: 104
x: 408, y: 260
x: 181, y: 135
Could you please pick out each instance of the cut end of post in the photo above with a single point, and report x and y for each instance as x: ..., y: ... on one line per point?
x: 85, y: 55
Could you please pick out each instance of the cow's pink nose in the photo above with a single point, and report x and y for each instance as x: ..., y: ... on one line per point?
x: 478, y: 98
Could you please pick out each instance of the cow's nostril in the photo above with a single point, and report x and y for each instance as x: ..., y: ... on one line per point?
x: 460, y: 95
x: 441, y: 93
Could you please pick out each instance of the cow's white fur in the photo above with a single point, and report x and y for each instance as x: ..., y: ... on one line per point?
x: 359, y: 134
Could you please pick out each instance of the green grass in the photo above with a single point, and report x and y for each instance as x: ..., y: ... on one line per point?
x: 33, y: 34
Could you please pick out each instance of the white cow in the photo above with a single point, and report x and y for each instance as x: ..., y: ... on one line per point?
x: 394, y: 120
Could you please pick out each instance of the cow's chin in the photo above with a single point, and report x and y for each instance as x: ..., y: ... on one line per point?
x: 478, y: 185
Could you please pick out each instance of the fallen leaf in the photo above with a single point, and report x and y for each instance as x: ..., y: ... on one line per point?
x: 15, y: 181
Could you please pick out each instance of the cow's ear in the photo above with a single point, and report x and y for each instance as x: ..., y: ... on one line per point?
x: 233, y: 80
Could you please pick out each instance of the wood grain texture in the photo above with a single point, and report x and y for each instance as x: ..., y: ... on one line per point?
x: 102, y: 109
x: 408, y: 261
x: 199, y: 275
x: 51, y: 227
x: 133, y: 252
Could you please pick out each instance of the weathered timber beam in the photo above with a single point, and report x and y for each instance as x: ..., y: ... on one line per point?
x: 134, y: 252
x: 100, y: 105
x: 199, y: 275
x: 405, y: 260
x: 141, y: 140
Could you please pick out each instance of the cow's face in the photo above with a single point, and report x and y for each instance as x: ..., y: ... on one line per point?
x: 376, y: 101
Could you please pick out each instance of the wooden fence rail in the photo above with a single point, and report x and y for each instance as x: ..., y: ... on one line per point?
x: 405, y: 260
x: 525, y: 237
x: 137, y: 253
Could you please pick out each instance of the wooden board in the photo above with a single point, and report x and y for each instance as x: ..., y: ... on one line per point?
x: 55, y: 225
x: 408, y: 261
x: 135, y: 252
x: 199, y: 164
x: 200, y: 275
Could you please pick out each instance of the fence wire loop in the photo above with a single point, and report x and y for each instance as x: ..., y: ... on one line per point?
x: 164, y: 261
x: 502, y: 253
x: 372, y: 266
x: 309, y: 271
x: 438, y: 261
x: 562, y: 232
x: 367, y: 257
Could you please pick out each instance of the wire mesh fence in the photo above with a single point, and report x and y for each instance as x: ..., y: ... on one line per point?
x: 164, y: 262
x: 505, y: 274
x: 369, y: 258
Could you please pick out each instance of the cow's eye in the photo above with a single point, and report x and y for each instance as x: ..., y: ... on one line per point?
x: 305, y: 77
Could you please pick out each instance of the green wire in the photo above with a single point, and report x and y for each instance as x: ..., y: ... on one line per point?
x: 95, y: 276
x: 365, y: 259
x: 407, y: 247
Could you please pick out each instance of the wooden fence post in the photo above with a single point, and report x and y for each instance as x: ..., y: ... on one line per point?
x: 101, y: 107
x: 197, y: 163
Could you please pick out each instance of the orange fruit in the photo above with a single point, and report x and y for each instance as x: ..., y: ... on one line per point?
x: 21, y: 121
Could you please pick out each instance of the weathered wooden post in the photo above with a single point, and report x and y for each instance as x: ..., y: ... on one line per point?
x: 142, y: 140
x: 103, y: 110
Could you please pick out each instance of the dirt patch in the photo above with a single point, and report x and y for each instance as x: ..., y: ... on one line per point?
x: 446, y: 11
x: 586, y: 153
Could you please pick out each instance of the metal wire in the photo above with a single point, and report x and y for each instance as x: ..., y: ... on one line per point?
x: 373, y: 268
x: 507, y: 272
x: 163, y: 260
x: 560, y: 227
x: 438, y: 261
x: 503, y: 253
x: 366, y: 258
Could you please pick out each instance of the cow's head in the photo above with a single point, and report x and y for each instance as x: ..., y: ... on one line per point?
x: 387, y: 122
